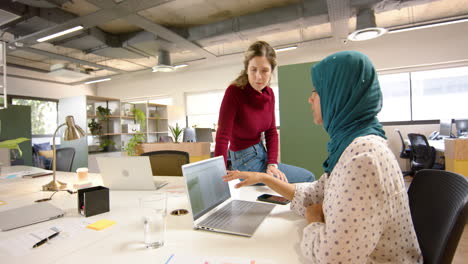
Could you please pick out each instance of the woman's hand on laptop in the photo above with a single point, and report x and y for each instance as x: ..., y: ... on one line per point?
x: 248, y: 177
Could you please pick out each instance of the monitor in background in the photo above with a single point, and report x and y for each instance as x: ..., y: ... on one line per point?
x: 445, y: 128
x: 204, y: 134
x: 462, y: 127
x: 189, y: 135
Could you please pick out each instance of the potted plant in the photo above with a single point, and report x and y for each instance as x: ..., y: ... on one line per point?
x: 107, y: 144
x: 103, y: 113
x: 176, y: 132
x: 130, y: 148
x: 140, y: 117
x: 94, y: 127
x: 13, y: 144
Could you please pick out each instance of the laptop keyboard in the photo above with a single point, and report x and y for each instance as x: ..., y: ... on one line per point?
x: 223, y: 218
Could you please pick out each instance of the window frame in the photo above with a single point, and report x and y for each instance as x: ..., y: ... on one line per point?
x: 10, y: 98
x: 186, y: 94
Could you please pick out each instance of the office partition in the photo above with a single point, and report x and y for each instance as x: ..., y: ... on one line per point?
x: 303, y: 143
x: 15, y: 122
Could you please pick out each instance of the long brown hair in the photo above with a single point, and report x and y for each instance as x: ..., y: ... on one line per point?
x: 258, y: 48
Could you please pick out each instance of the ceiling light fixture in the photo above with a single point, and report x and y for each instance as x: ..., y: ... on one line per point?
x: 100, y: 80
x: 61, y: 33
x: 164, y: 62
x: 436, y: 24
x: 366, y: 28
x: 180, y: 66
x: 286, y: 48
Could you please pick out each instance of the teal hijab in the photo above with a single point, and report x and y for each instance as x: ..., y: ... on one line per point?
x: 350, y: 99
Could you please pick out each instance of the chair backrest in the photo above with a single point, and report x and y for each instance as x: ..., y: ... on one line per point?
x: 403, y: 153
x: 422, y: 154
x: 189, y: 135
x: 203, y: 134
x: 165, y: 139
x: 65, y: 158
x: 438, y: 204
x: 167, y: 162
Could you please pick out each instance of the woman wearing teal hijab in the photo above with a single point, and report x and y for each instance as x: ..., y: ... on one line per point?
x: 357, y: 212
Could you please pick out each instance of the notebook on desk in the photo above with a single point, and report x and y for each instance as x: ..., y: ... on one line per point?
x: 128, y: 173
x: 28, y: 215
x: 23, y: 171
x: 211, y: 204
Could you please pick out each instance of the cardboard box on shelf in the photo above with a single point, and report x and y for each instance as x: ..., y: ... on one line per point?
x: 456, y: 156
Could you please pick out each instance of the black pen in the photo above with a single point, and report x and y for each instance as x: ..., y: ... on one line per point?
x: 45, y: 240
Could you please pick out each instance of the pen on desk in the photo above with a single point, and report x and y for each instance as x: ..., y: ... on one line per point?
x: 169, y: 259
x: 45, y: 240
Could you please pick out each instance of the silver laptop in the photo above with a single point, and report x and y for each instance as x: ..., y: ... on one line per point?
x: 211, y: 204
x: 28, y: 215
x: 128, y: 173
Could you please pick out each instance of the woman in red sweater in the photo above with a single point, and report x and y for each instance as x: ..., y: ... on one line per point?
x: 247, y: 110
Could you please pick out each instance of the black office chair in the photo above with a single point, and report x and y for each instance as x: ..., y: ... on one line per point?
x: 438, y: 204
x: 165, y: 139
x: 422, y: 155
x: 65, y: 158
x: 167, y: 162
x: 404, y: 153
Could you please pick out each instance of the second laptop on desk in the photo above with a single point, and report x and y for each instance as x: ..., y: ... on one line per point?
x: 128, y: 173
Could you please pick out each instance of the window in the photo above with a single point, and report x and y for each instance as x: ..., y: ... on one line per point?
x: 396, y: 97
x: 199, y: 112
x: 424, y: 95
x: 43, y: 114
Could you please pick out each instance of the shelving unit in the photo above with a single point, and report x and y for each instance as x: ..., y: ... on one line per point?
x: 84, y: 109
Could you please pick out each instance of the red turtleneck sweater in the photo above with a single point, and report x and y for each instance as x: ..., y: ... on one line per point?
x: 244, y: 115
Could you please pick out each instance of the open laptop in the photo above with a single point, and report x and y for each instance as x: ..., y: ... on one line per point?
x: 28, y: 215
x: 128, y: 173
x: 211, y: 204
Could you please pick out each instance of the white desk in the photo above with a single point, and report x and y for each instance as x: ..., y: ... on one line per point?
x: 277, y: 238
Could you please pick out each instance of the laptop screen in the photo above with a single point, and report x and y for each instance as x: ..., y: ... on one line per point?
x: 205, y: 185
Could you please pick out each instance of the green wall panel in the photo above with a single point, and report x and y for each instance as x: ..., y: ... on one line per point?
x: 15, y: 123
x: 303, y: 143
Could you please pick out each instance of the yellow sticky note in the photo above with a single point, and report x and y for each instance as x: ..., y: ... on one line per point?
x: 101, y: 224
x: 2, y: 202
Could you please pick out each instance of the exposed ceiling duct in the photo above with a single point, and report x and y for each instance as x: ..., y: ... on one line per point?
x: 164, y: 62
x: 43, y: 3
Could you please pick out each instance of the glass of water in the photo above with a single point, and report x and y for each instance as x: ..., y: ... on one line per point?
x: 154, y: 211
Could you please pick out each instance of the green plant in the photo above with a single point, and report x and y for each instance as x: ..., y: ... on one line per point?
x: 176, y: 132
x: 94, y: 127
x: 13, y: 144
x: 130, y: 148
x: 103, y: 113
x: 140, y: 117
x: 106, y: 143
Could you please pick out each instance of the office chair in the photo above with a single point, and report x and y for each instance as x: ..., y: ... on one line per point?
x: 167, y: 162
x: 203, y: 135
x: 65, y: 158
x: 422, y: 155
x: 189, y: 135
x: 165, y: 139
x: 404, y: 153
x: 438, y: 205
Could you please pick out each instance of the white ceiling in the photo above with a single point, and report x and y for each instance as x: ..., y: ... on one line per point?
x: 132, y: 31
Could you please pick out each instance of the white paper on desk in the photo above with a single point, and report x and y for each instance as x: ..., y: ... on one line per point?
x: 23, y: 244
x: 184, y: 259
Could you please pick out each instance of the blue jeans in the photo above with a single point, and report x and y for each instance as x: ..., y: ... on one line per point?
x: 255, y: 158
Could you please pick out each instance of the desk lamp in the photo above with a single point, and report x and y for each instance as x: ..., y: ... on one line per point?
x: 71, y: 132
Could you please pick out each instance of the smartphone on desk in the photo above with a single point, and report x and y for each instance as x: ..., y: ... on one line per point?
x: 269, y: 198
